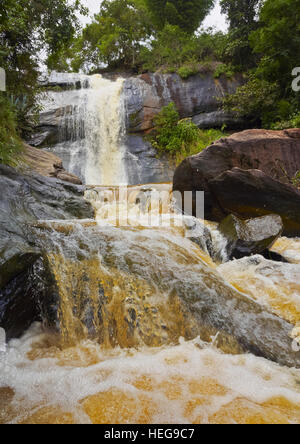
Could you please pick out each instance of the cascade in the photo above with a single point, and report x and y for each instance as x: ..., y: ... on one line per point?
x: 144, y: 319
x: 91, y: 129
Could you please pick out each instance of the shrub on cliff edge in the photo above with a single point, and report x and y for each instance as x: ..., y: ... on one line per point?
x: 180, y: 138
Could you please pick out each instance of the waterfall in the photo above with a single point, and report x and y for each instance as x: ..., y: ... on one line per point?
x: 92, y: 128
x: 104, y: 130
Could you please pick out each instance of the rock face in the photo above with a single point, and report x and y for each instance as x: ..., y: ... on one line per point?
x: 273, y: 158
x: 63, y: 123
x: 254, y: 236
x: 26, y: 198
x: 48, y: 165
x: 196, y: 97
x: 142, y: 163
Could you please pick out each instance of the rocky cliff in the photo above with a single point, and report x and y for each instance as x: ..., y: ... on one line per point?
x: 27, y: 198
x: 197, y: 97
x: 63, y: 123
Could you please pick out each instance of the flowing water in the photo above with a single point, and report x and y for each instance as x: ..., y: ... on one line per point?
x: 92, y: 128
x: 120, y: 340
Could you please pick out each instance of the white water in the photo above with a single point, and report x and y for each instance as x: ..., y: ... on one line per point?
x: 191, y: 382
x: 104, y: 130
x: 92, y: 129
x: 188, y: 383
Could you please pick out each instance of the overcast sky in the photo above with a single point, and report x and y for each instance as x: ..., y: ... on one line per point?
x: 214, y: 19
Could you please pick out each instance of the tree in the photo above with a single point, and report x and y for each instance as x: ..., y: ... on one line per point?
x: 115, y: 36
x: 31, y: 31
x: 171, y: 49
x: 242, y: 16
x: 257, y: 101
x: 187, y: 14
x: 278, y: 42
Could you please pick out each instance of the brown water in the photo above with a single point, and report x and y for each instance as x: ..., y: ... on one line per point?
x: 139, y: 361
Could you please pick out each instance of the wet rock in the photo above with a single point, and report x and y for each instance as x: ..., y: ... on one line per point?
x: 198, y: 233
x: 142, y: 163
x: 253, y: 236
x: 26, y: 198
x: 47, y: 164
x: 18, y: 303
x: 172, y: 295
x: 252, y: 193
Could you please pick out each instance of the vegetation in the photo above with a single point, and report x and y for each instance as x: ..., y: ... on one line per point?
x: 262, y: 43
x: 115, y: 37
x: 30, y: 31
x: 268, y: 99
x: 186, y: 14
x: 242, y: 16
x: 180, y: 138
x: 10, y: 143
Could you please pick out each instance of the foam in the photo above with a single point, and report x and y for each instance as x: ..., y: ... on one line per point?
x: 289, y: 248
x: 187, y: 383
x: 274, y: 285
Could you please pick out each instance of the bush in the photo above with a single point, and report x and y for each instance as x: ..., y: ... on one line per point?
x: 10, y: 143
x: 224, y: 69
x: 188, y: 70
x: 292, y: 122
x: 176, y: 51
x: 256, y: 101
x: 180, y: 138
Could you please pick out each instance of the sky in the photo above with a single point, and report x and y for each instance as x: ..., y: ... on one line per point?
x: 215, y: 19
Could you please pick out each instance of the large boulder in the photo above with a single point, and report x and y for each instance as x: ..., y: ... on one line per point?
x: 253, y: 236
x: 249, y: 194
x: 26, y: 198
x: 275, y: 153
x: 149, y: 288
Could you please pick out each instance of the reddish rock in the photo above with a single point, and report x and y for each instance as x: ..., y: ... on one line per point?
x: 274, y: 153
x: 252, y: 193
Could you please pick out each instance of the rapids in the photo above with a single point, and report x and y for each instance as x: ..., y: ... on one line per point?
x: 132, y: 364
x: 145, y: 320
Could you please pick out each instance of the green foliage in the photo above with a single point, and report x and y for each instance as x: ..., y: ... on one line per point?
x: 188, y: 70
x: 296, y: 180
x: 114, y: 37
x: 176, y: 51
x: 293, y: 121
x: 224, y: 69
x: 180, y: 138
x: 186, y: 14
x: 267, y: 98
x: 256, y: 100
x: 172, y: 48
x: 10, y: 144
x: 28, y: 28
x: 278, y: 41
x: 242, y: 16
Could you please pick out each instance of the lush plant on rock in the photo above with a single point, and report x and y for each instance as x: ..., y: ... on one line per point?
x: 180, y: 138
